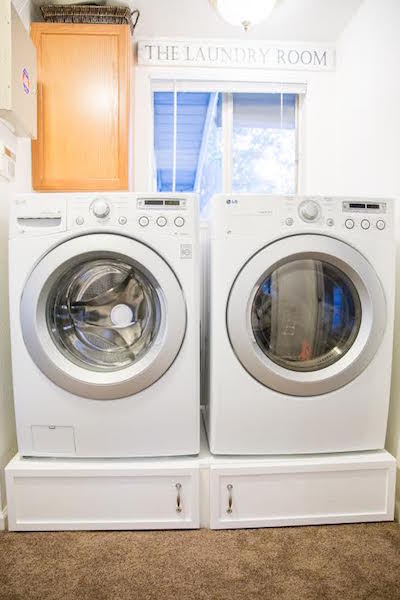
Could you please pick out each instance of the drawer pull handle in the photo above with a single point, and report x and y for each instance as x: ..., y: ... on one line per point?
x: 229, y: 487
x: 178, y: 498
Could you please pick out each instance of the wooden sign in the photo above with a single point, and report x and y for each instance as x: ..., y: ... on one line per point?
x: 233, y: 54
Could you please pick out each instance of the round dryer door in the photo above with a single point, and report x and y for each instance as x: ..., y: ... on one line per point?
x: 103, y: 316
x: 306, y: 315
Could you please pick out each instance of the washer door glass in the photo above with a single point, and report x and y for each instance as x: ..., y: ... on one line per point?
x: 103, y: 314
x: 306, y: 315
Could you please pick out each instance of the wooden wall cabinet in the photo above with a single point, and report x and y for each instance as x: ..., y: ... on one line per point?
x: 83, y: 107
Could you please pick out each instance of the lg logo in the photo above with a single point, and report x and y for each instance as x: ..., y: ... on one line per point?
x: 232, y: 201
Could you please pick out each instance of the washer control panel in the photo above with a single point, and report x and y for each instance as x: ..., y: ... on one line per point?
x: 166, y: 214
x: 162, y: 213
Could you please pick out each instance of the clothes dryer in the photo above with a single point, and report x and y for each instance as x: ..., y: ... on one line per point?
x: 301, y: 324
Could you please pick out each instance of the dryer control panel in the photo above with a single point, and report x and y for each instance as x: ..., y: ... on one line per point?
x: 332, y: 213
x: 267, y: 215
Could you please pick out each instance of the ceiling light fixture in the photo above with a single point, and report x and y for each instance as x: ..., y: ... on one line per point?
x: 243, y: 12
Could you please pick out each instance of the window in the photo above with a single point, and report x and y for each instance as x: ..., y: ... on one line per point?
x: 264, y: 143
x: 211, y: 142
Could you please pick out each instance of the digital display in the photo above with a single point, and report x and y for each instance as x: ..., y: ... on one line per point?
x: 153, y: 202
x: 364, y: 206
x: 172, y: 202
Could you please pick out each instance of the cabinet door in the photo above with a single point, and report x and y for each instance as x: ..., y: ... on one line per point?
x: 83, y: 107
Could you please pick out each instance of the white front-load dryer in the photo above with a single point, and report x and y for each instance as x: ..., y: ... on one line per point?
x: 104, y: 307
x: 301, y: 324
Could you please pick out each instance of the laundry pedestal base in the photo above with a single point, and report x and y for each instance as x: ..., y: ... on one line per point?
x: 217, y: 492
x: 54, y: 494
x: 306, y: 490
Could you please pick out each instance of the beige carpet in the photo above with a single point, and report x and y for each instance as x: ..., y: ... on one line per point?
x: 345, y: 562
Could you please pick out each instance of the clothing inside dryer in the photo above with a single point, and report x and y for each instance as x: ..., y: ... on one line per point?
x: 306, y: 315
x: 103, y: 314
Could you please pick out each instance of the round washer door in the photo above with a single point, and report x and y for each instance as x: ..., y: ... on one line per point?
x: 103, y: 316
x: 306, y: 315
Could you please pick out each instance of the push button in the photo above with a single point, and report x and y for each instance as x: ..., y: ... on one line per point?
x: 186, y: 250
x: 289, y: 221
x: 349, y: 223
x: 122, y: 220
x: 380, y: 224
x: 143, y: 221
x: 161, y: 221
x: 365, y: 224
x: 179, y: 221
x: 79, y: 220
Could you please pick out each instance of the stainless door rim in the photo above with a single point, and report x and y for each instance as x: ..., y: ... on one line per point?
x: 72, y: 377
x: 359, y: 355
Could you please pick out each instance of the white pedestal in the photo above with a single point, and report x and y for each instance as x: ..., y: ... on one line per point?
x: 306, y: 490
x: 57, y: 494
x: 205, y: 491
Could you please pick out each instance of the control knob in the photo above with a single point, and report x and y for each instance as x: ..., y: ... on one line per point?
x: 101, y: 209
x: 309, y: 210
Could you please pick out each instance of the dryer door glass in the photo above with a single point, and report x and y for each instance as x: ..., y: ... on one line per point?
x: 306, y: 315
x: 103, y: 315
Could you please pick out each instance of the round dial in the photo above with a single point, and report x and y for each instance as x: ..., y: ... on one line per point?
x: 101, y: 209
x: 309, y: 210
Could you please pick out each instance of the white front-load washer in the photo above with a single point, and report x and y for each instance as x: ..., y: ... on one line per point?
x: 301, y: 310
x: 104, y: 308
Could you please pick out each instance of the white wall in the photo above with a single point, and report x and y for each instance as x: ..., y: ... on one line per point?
x: 28, y: 11
x: 368, y: 132
x: 298, y: 20
x: 21, y: 147
x: 7, y: 427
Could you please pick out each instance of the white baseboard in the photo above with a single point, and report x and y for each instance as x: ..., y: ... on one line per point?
x: 3, y: 519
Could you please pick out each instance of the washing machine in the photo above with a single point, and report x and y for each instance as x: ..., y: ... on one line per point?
x: 104, y: 311
x: 301, y: 308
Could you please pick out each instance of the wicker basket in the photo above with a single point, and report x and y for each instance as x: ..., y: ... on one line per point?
x: 91, y: 14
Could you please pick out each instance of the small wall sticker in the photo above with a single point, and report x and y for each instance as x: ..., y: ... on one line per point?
x: 25, y: 81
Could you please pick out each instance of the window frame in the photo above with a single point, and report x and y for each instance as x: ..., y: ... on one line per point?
x: 151, y: 79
